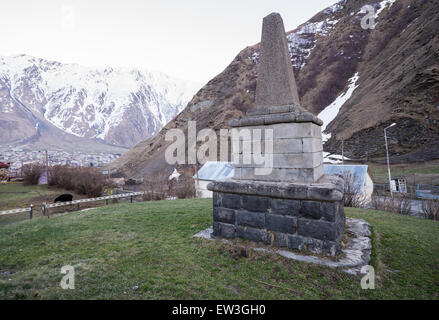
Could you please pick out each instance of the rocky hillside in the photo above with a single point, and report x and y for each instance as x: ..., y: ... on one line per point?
x: 357, y: 80
x: 117, y: 106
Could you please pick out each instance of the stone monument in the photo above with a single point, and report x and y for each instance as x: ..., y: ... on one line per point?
x: 294, y: 204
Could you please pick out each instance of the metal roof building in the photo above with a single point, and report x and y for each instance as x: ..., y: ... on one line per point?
x: 212, y: 171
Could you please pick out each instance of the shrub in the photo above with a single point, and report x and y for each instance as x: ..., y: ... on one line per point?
x: 430, y: 209
x: 397, y: 204
x: 88, y: 181
x: 155, y: 187
x: 31, y: 173
x: 185, y: 188
x: 352, y: 196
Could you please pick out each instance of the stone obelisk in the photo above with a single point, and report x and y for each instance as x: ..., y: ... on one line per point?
x: 293, y: 204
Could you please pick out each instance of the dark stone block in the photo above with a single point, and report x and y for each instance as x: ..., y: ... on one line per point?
x: 295, y: 191
x: 224, y: 230
x: 251, y: 219
x: 311, y: 210
x: 314, y: 245
x: 280, y: 223
x: 253, y: 234
x: 216, y: 199
x: 322, y: 230
x: 255, y: 203
x: 285, y: 207
x: 279, y: 239
x: 298, y: 216
x: 231, y: 200
x: 329, y: 211
x: 331, y: 248
x: 224, y: 215
x: 295, y: 242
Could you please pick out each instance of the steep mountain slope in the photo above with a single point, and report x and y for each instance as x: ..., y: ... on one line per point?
x: 118, y: 106
x: 368, y: 77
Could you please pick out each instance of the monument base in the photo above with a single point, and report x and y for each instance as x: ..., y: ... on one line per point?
x: 307, y: 217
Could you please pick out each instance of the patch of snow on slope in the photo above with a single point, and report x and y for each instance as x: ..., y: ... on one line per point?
x: 333, y: 158
x: 302, y: 41
x: 330, y: 112
x: 383, y: 5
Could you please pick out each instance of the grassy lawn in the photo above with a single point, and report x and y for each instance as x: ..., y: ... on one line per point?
x: 14, y: 195
x: 150, y: 245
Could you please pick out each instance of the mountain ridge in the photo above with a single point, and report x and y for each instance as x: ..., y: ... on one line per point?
x: 327, y: 51
x: 97, y: 103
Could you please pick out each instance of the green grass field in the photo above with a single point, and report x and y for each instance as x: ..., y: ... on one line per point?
x: 150, y: 245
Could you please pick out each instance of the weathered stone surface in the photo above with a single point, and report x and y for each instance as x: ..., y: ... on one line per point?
x: 356, y: 252
x: 322, y: 230
x: 285, y: 207
x: 250, y: 219
x: 268, y: 119
x: 216, y: 199
x: 329, y: 210
x: 230, y: 200
x: 274, y: 109
x: 295, y: 242
x: 276, y: 85
x: 299, y: 175
x: 280, y: 146
x: 282, y: 161
x: 284, y: 224
x: 253, y: 234
x: 312, y: 144
x: 311, y: 210
x: 255, y: 203
x: 278, y: 239
x: 224, y: 230
x: 294, y: 130
x: 328, y: 188
x: 224, y: 215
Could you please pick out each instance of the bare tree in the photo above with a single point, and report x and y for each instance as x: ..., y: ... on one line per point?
x: 430, y: 209
x: 353, y: 197
x: 401, y: 204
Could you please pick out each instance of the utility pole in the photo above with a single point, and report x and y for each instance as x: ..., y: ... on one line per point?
x: 388, y: 162
x: 342, y: 151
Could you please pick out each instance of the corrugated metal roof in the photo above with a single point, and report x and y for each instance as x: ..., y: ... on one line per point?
x: 358, y: 172
x: 216, y: 170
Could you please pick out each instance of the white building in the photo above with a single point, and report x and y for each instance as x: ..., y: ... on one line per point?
x: 211, y: 171
x: 359, y: 175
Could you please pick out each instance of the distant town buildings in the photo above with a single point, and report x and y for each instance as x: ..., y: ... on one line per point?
x: 18, y: 157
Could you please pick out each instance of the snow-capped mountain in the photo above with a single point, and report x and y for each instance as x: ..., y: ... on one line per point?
x: 118, y: 105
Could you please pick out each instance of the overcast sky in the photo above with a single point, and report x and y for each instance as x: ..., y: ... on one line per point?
x: 189, y: 39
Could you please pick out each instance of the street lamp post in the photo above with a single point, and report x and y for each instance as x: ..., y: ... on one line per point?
x: 388, y: 163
